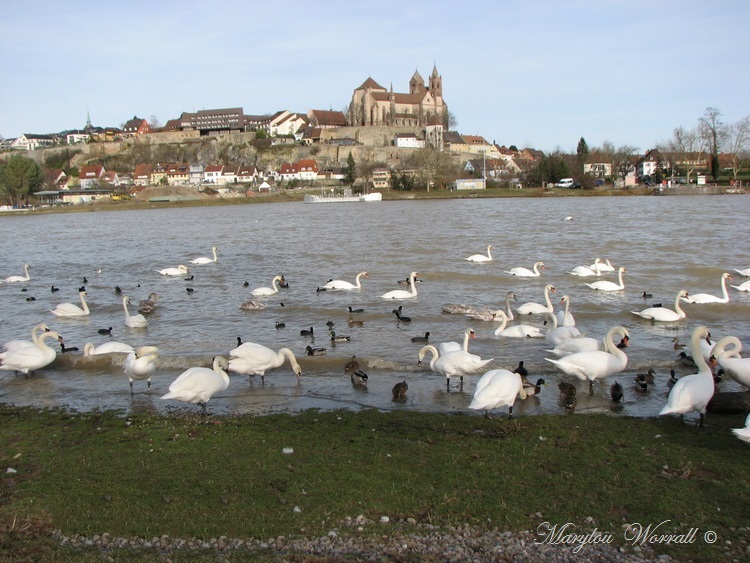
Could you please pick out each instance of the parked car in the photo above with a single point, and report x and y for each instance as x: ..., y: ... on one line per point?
x: 576, y: 186
x: 565, y: 183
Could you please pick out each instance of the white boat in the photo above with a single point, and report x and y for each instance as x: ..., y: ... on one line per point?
x: 342, y: 198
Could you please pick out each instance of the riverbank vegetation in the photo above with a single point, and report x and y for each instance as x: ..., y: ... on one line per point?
x: 186, y: 476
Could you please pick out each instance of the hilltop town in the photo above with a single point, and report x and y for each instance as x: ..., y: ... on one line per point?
x: 383, y: 140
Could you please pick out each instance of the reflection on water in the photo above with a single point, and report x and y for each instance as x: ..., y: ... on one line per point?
x: 667, y: 244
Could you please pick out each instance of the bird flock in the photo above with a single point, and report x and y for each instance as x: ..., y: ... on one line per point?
x: 572, y: 352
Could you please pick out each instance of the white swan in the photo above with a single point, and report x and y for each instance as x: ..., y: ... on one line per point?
x: 745, y: 272
x: 133, y: 321
x: 24, y: 278
x: 579, y: 344
x: 585, y: 271
x: 595, y: 364
x: 692, y: 392
x: 508, y: 311
x: 497, y: 388
x: 341, y: 284
x: 445, y: 347
x: 178, y: 271
x: 90, y: 349
x: 604, y: 266
x: 744, y: 286
x: 71, y: 310
x: 707, y: 297
x: 565, y: 318
x: 662, y: 313
x: 532, y: 308
x: 255, y: 359
x: 481, y: 257
x: 743, y: 433
x: 140, y: 364
x: 731, y: 361
x: 31, y: 358
x: 206, y: 259
x: 525, y: 272
x: 455, y: 362
x: 557, y: 334
x: 401, y: 293
x: 13, y: 345
x: 265, y: 291
x: 516, y: 331
x: 198, y: 384
x: 606, y: 285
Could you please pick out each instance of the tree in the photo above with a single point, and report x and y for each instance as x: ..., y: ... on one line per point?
x: 154, y: 123
x: 434, y: 168
x: 402, y: 181
x: 20, y: 177
x: 624, y: 161
x: 737, y: 145
x: 449, y: 121
x: 685, y: 149
x: 350, y: 172
x: 712, y: 131
x: 582, y: 155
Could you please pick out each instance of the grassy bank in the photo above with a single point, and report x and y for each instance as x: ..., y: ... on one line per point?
x: 145, y: 476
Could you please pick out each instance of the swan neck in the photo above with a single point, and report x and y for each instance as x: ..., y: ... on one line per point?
x: 695, y: 350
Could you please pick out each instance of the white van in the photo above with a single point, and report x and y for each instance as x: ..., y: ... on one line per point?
x: 565, y: 183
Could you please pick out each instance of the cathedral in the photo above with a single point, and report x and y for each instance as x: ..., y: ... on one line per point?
x: 374, y: 105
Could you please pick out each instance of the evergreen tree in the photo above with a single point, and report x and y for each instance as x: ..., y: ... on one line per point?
x: 20, y: 177
x: 582, y: 155
x: 350, y: 172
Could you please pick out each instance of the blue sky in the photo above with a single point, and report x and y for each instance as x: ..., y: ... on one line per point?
x: 537, y: 74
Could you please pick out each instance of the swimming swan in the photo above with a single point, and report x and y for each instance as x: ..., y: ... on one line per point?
x: 401, y: 293
x: 341, y: 284
x: 140, y: 364
x: 557, y: 334
x: 598, y: 363
x: 481, y: 257
x: 31, y: 358
x: 178, y: 271
x: 24, y: 278
x: 516, y: 331
x: 585, y: 271
x: 565, y: 318
x: 497, y: 388
x: 206, y: 259
x: 133, y: 321
x: 264, y: 291
x: 532, y: 308
x: 692, y: 392
x: 90, y: 349
x: 707, y: 297
x: 662, y: 313
x: 255, y: 359
x: 525, y: 272
x: 198, y: 384
x: 71, y: 310
x: 13, y: 345
x: 606, y: 285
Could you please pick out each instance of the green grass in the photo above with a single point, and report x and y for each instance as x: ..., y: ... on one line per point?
x: 186, y: 477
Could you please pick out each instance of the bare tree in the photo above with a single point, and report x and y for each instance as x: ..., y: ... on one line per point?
x: 686, y: 149
x: 737, y: 144
x: 624, y: 161
x: 434, y: 168
x: 712, y: 130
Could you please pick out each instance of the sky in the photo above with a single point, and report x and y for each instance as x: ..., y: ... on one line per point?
x: 539, y: 74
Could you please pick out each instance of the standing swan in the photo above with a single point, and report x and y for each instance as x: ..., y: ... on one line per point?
x: 206, y: 259
x: 481, y: 257
x: 140, y: 364
x: 663, y: 314
x: 31, y: 358
x: 24, y: 278
x: 341, y: 284
x: 606, y: 285
x: 731, y: 361
x: 71, y: 310
x: 692, y: 392
x: 707, y: 297
x: 516, y: 331
x: 133, y: 321
x: 532, y: 308
x: 455, y: 362
x: 402, y: 293
x: 525, y: 272
x: 13, y: 345
x: 262, y: 291
x: 255, y: 359
x: 596, y: 364
x: 498, y: 388
x: 197, y: 385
